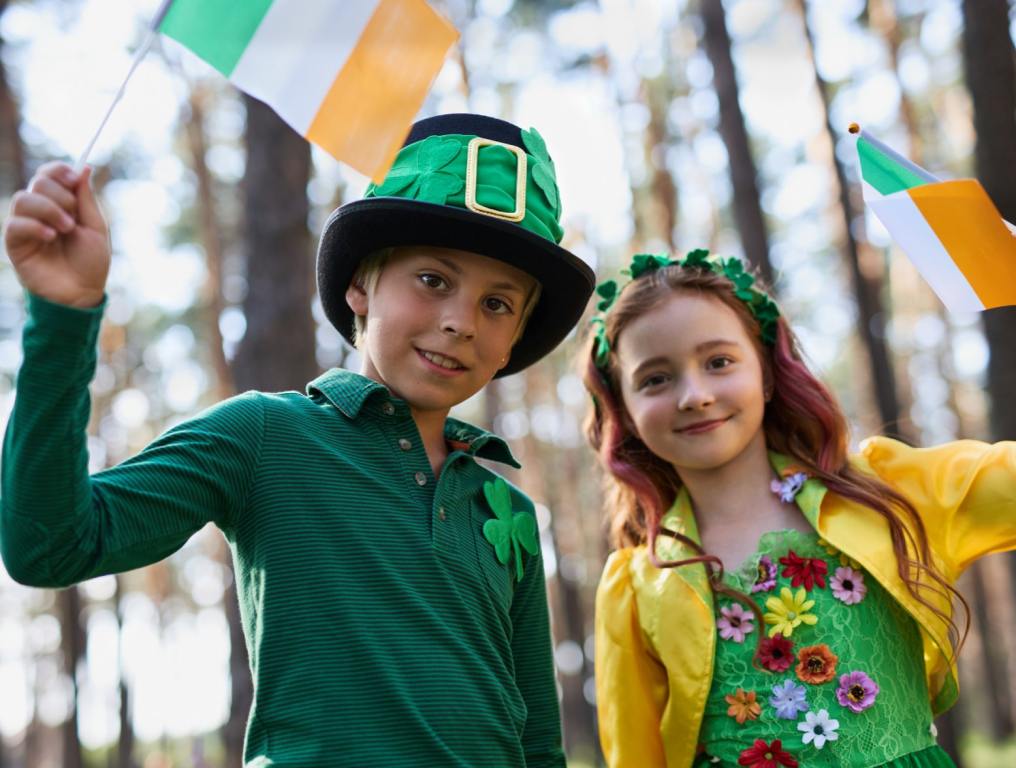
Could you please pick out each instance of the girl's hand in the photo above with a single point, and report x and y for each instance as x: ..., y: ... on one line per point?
x: 57, y: 238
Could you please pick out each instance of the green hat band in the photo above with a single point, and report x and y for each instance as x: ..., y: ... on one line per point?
x: 487, y: 177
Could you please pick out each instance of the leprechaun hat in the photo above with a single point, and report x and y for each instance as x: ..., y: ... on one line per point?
x: 473, y: 183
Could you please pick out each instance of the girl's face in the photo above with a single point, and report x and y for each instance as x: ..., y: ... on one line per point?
x: 692, y: 382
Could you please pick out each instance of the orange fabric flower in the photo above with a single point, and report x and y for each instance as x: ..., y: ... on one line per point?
x: 816, y: 664
x: 743, y: 706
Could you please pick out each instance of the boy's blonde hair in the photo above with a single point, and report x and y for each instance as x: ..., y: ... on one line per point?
x: 369, y: 272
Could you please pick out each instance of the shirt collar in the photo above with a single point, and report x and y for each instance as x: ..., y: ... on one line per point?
x: 349, y: 391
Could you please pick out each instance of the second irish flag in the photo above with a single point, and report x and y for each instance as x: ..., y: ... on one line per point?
x: 951, y: 230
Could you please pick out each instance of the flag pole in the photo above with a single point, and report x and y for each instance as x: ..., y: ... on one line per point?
x: 153, y: 30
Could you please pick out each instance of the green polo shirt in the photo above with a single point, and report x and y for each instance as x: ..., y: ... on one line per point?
x: 381, y: 627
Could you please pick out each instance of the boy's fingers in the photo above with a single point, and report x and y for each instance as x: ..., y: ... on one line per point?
x: 59, y: 194
x: 61, y: 173
x: 89, y: 213
x: 35, y: 206
x: 20, y: 231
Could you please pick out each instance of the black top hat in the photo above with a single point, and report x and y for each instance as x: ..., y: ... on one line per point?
x: 473, y: 183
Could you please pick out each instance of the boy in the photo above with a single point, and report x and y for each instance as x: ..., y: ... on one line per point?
x: 390, y: 587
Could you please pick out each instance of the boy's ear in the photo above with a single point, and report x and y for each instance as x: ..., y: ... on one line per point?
x: 356, y: 298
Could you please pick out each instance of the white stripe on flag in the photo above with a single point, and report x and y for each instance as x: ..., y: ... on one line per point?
x: 914, y: 235
x: 297, y: 52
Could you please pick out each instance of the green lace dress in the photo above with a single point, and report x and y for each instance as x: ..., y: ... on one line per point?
x: 841, y: 683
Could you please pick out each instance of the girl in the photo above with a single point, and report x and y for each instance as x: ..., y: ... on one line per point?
x: 772, y: 600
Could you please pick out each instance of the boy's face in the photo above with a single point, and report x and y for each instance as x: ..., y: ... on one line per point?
x: 440, y: 323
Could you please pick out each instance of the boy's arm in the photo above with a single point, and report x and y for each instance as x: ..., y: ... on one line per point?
x: 58, y: 525
x: 534, y: 668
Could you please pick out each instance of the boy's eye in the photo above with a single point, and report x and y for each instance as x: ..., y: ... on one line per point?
x: 499, y: 306
x: 431, y: 280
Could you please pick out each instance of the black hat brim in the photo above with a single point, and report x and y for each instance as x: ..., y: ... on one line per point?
x: 360, y: 228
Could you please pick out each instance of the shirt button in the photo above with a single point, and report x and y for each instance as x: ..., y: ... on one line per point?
x: 405, y: 444
x: 441, y: 514
x: 421, y: 479
x: 388, y: 409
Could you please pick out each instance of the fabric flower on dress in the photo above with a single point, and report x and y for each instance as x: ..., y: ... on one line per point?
x: 848, y: 585
x: 762, y: 755
x: 766, y: 579
x: 808, y: 571
x: 816, y: 664
x: 776, y: 653
x: 735, y: 622
x: 788, y: 699
x: 788, y: 488
x: 818, y: 728
x: 743, y: 706
x: 857, y: 691
x: 788, y: 611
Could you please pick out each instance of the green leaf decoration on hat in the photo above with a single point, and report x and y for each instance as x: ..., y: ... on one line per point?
x: 544, y: 172
x: 509, y: 531
x: 697, y: 259
x: 647, y: 262
x: 607, y: 291
x: 432, y: 185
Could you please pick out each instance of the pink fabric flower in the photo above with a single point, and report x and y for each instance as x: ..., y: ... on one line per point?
x: 735, y: 622
x: 766, y: 579
x: 857, y: 691
x: 848, y: 585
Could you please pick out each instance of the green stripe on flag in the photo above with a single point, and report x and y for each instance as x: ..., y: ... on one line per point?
x: 884, y: 173
x: 216, y: 30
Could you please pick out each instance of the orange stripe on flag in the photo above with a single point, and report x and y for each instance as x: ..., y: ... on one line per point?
x: 370, y: 107
x: 971, y: 230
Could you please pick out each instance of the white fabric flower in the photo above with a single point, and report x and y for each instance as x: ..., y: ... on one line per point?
x: 818, y: 728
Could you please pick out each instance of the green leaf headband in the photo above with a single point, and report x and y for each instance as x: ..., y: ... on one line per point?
x: 762, y: 307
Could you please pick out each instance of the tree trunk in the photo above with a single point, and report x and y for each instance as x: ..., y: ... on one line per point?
x: 125, y: 741
x: 743, y: 173
x: 990, y: 63
x: 988, y: 56
x: 72, y: 646
x: 278, y: 350
x: 12, y: 151
x: 867, y: 283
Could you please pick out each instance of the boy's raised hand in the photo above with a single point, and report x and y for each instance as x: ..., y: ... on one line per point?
x: 57, y: 238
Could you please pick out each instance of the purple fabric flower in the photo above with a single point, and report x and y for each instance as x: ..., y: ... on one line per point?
x: 766, y: 579
x: 788, y: 488
x: 788, y: 699
x: 848, y: 585
x: 857, y: 691
x: 735, y: 622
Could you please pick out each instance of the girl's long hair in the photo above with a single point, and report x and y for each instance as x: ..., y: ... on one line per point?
x: 802, y: 420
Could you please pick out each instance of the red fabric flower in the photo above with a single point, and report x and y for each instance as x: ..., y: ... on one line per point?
x: 776, y: 653
x: 808, y: 571
x: 762, y: 755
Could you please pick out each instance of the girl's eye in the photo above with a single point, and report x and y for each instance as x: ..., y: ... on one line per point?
x: 498, y: 306
x: 652, y: 381
x: 431, y: 280
x: 719, y: 362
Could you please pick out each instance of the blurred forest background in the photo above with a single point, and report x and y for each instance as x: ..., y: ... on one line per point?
x: 674, y: 124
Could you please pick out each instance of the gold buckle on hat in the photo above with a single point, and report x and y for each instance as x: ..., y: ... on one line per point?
x: 472, y: 159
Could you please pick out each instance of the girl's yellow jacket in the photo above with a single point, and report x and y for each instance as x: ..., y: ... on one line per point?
x: 655, y: 629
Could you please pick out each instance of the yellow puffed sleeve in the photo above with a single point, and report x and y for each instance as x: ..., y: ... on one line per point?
x: 964, y: 491
x: 631, y: 685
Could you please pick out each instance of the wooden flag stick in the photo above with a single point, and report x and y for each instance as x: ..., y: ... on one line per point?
x: 153, y: 30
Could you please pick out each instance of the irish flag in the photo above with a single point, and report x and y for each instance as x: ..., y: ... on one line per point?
x: 951, y: 230
x: 350, y: 75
